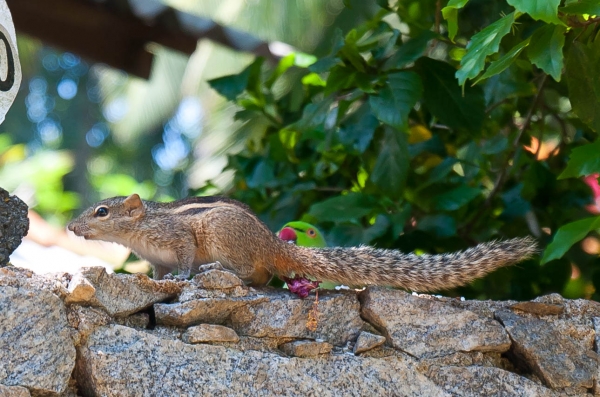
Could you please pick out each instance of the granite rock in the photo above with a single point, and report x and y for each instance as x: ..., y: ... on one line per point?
x: 192, y: 370
x: 435, y: 346
x: 36, y: 343
x: 217, y: 279
x: 367, y: 341
x: 285, y: 315
x: 476, y: 381
x: 203, y: 310
x: 120, y: 295
x: 554, y: 357
x: 427, y: 328
x: 306, y: 348
x: 14, y: 391
x: 209, y: 333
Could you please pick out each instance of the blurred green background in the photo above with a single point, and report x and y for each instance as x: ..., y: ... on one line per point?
x: 365, y: 128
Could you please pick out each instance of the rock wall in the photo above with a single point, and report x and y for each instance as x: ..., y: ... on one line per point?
x: 95, y: 334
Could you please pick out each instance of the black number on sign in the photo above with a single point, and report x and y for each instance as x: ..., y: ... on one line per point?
x: 6, y: 85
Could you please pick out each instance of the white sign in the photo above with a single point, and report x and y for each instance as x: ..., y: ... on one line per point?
x: 10, y: 67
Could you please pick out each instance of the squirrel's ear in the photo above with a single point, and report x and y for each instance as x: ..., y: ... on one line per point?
x: 133, y: 204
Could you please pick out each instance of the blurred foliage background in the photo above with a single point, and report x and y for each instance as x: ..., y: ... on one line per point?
x: 425, y: 126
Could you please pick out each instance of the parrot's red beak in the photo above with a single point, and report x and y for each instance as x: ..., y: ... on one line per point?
x: 288, y: 234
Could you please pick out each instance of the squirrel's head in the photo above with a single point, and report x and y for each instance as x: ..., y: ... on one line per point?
x: 109, y: 218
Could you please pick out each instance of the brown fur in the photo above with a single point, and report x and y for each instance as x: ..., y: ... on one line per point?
x: 187, y: 233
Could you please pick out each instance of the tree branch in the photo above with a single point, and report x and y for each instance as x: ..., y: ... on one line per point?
x: 511, y: 157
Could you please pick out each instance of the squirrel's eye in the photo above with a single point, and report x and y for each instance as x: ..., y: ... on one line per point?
x: 101, y: 212
x: 311, y: 232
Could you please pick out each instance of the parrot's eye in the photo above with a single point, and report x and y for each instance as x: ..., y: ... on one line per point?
x: 101, y: 211
x: 311, y: 232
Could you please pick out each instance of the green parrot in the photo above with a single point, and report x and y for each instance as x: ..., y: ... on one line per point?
x: 305, y: 235
x: 302, y: 234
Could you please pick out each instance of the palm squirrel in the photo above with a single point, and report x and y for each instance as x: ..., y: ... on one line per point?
x: 199, y: 230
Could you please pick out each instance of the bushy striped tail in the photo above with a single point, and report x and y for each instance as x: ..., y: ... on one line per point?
x: 371, y: 266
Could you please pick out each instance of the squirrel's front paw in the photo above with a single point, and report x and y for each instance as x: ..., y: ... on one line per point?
x: 182, y: 276
x: 210, y: 266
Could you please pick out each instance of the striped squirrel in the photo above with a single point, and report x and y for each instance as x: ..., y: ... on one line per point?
x: 199, y: 230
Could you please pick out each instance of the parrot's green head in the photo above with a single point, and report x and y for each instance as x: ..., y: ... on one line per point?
x: 302, y: 234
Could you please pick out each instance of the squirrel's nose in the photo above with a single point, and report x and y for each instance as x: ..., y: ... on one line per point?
x: 71, y: 226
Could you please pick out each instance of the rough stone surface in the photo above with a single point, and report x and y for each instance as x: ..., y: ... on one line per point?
x: 86, y: 319
x: 80, y: 290
x: 428, y: 328
x: 306, y: 348
x: 13, y: 391
x: 210, y: 333
x: 217, y: 279
x: 553, y: 357
x: 367, y: 341
x: 539, y: 308
x: 461, y: 359
x: 122, y: 295
x: 14, y: 223
x: 194, y: 370
x: 203, y: 310
x: 435, y: 346
x: 479, y: 381
x: 286, y: 315
x: 36, y: 343
x: 206, y: 285
x: 192, y: 292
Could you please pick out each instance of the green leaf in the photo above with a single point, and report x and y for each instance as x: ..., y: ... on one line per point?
x: 262, y: 175
x: 450, y: 14
x: 590, y: 7
x: 443, y: 97
x: 546, y: 49
x: 395, y: 101
x: 481, y: 45
x: 357, y: 131
x: 284, y: 64
x: 390, y: 170
x: 400, y: 218
x: 410, y: 51
x: 303, y: 60
x: 381, y: 225
x: 584, y: 160
x: 439, y: 172
x: 545, y: 10
x: 568, y: 235
x: 504, y: 61
x: 583, y: 80
x: 340, y: 78
x: 383, y: 3
x: 324, y: 64
x: 456, y: 198
x: 346, y: 235
x: 439, y: 225
x: 495, y: 145
x: 314, y: 115
x: 313, y: 79
x: 514, y: 203
x: 344, y: 208
x: 233, y: 85
x: 351, y: 52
